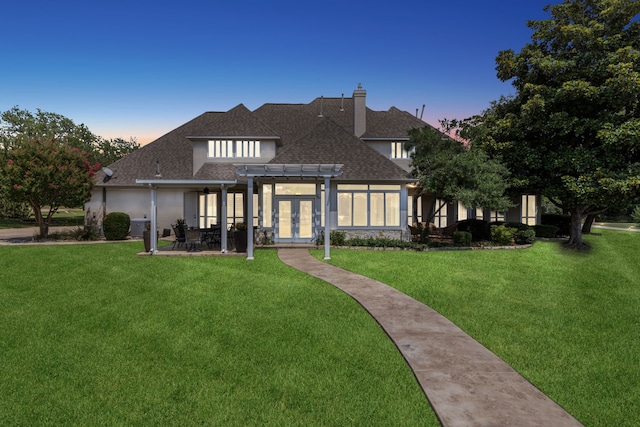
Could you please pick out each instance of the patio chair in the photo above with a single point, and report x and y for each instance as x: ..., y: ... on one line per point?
x: 192, y: 238
x: 214, y: 237
x: 415, y: 233
x: 179, y: 233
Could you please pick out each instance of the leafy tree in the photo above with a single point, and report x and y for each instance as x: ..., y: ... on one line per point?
x: 47, y: 174
x: 16, y: 123
x: 452, y: 171
x: 572, y: 129
x: 110, y: 150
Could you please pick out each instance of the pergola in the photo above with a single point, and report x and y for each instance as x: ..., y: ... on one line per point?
x: 268, y: 170
x: 250, y: 171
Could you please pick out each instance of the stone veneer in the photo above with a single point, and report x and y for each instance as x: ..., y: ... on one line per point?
x: 382, y: 234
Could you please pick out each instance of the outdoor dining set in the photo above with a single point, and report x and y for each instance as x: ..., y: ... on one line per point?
x: 193, y: 238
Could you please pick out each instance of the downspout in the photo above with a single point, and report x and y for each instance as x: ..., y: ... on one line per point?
x: 104, y: 210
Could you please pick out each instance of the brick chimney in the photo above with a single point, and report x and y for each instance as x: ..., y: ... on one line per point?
x: 359, y: 111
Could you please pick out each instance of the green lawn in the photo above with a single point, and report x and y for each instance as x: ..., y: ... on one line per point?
x: 94, y: 335
x: 567, y: 321
x: 64, y: 216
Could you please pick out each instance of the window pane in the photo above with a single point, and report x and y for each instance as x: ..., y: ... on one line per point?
x: 359, y: 209
x: 393, y: 209
x: 255, y: 210
x: 267, y: 205
x: 344, y: 209
x: 352, y: 187
x: 377, y: 209
x: 284, y: 219
x: 295, y: 189
x: 462, y: 212
x: 239, y: 206
x: 385, y: 187
x: 441, y: 216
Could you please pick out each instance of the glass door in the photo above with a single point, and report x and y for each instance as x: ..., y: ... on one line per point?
x: 295, y: 220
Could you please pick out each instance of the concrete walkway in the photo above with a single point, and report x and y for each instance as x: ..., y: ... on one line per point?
x: 465, y: 383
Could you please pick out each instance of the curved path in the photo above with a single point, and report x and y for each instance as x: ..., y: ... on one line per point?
x: 465, y: 383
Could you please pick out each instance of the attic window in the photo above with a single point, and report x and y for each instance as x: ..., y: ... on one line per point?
x: 398, y: 151
x: 228, y: 148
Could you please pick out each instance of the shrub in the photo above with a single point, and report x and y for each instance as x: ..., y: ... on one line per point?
x: 563, y: 222
x: 116, y: 226
x: 524, y: 237
x: 479, y: 229
x: 502, y: 236
x: 337, y: 238
x: 517, y: 225
x: 462, y: 238
x: 546, y: 231
x: 86, y: 233
x: 635, y: 215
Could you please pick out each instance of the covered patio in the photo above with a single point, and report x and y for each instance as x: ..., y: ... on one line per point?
x: 252, y: 173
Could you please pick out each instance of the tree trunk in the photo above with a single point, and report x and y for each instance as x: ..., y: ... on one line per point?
x: 41, y: 221
x: 575, y: 239
x: 588, y: 222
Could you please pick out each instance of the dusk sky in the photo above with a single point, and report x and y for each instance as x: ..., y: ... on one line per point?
x: 142, y: 68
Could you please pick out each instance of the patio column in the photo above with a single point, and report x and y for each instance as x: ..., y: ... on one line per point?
x: 223, y: 219
x: 250, y: 219
x: 153, y: 233
x: 327, y: 217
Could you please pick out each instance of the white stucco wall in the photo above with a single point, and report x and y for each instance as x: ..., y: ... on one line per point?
x: 136, y: 202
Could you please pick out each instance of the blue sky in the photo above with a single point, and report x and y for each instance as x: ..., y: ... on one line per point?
x: 142, y: 68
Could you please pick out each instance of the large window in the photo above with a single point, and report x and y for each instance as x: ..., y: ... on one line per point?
x: 398, y: 151
x: 361, y: 205
x: 227, y: 148
x: 440, y: 217
x: 497, y: 216
x: 207, y: 210
x: 463, y: 212
x: 529, y: 209
x: 235, y: 208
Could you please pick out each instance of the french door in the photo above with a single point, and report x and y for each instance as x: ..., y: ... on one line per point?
x: 295, y: 219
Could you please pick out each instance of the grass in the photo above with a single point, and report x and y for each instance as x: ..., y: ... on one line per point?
x: 93, y: 335
x: 64, y: 217
x: 567, y: 321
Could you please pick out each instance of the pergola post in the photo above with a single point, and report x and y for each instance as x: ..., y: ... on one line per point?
x: 223, y: 220
x: 153, y: 232
x: 327, y: 217
x: 250, y: 219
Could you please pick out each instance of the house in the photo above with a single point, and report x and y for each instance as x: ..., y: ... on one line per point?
x: 293, y: 170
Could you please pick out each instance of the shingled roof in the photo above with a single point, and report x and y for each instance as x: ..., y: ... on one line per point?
x: 327, y: 142
x: 321, y: 131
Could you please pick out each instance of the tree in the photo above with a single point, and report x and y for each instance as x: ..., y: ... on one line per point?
x: 110, y: 150
x: 16, y: 123
x: 46, y: 160
x: 452, y: 171
x: 572, y: 129
x: 48, y: 174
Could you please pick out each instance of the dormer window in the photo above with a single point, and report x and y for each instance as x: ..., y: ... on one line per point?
x: 229, y: 148
x: 398, y: 151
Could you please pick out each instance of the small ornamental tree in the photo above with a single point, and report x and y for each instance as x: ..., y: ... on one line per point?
x: 47, y: 174
x: 453, y: 171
